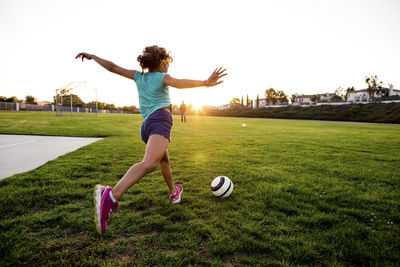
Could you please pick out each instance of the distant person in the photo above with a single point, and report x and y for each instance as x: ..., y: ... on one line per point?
x: 155, y: 131
x: 183, y: 112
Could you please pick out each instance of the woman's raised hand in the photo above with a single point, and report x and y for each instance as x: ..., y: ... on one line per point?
x: 84, y: 55
x: 215, y: 76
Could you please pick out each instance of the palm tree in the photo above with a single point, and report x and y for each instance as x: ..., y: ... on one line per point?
x: 373, y: 85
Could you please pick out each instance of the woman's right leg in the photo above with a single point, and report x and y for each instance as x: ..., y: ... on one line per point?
x: 167, y: 173
x: 155, y: 150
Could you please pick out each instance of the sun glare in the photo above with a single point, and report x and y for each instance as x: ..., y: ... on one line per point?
x: 197, y: 106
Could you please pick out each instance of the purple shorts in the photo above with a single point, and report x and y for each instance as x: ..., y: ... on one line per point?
x: 159, y: 122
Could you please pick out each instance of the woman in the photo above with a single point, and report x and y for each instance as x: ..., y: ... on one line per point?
x: 155, y: 131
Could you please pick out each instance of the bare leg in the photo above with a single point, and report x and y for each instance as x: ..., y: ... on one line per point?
x: 155, y: 150
x: 167, y: 173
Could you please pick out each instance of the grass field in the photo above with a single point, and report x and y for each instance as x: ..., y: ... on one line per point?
x: 306, y: 193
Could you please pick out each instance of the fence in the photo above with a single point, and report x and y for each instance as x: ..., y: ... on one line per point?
x: 50, y: 107
x: 92, y: 111
x: 9, y: 106
x: 25, y: 107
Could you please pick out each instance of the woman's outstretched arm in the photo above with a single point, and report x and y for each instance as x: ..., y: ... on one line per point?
x: 213, y: 80
x: 108, y: 65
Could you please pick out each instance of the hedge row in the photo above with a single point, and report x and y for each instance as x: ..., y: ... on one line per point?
x: 372, y: 112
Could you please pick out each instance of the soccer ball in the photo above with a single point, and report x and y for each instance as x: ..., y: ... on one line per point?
x: 222, y: 187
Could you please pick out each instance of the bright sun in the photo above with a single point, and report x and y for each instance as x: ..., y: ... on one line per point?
x: 197, y: 106
x: 196, y: 99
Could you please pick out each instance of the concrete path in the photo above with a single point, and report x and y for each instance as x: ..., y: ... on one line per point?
x: 21, y: 153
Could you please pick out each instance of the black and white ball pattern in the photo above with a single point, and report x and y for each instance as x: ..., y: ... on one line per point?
x: 222, y: 187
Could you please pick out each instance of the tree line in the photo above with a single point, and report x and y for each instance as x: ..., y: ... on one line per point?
x: 78, y: 102
x: 66, y: 101
x: 374, y: 88
x: 272, y: 96
x: 13, y: 99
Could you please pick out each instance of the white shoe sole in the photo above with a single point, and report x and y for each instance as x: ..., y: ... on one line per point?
x: 97, y: 202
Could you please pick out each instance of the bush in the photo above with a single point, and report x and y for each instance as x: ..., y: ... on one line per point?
x: 355, y: 109
x: 372, y: 112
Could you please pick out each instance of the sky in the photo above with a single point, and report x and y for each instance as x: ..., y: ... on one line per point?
x: 298, y: 46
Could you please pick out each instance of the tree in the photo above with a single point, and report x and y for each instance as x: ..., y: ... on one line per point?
x: 249, y: 102
x: 373, y: 85
x: 372, y: 81
x: 257, y: 101
x: 100, y: 105
x: 383, y: 92
x: 92, y: 104
x: 293, y: 98
x: 350, y: 89
x: 314, y: 98
x: 270, y: 96
x: 235, y: 101
x: 340, y: 93
x: 281, y: 97
x: 76, y: 101
x: 241, y: 103
x: 11, y: 99
x: 110, y: 107
x: 336, y: 97
x: 30, y: 100
x: 130, y: 108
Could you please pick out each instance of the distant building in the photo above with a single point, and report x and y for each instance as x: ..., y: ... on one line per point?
x: 263, y: 103
x: 326, y: 97
x: 364, y: 96
x: 307, y: 99
x: 303, y: 100
x: 222, y: 107
x: 44, y: 103
x: 358, y: 96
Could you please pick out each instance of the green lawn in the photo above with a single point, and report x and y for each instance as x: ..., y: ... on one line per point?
x: 306, y: 193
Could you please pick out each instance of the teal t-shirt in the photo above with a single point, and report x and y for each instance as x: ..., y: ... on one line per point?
x: 153, y: 93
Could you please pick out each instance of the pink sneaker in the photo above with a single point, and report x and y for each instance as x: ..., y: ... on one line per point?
x: 104, y: 207
x: 176, y: 198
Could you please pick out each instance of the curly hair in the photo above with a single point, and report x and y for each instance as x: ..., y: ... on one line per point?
x: 153, y: 56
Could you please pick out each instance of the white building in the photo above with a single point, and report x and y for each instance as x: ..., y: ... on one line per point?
x: 358, y: 96
x: 261, y: 104
x: 325, y: 97
x: 44, y: 103
x: 303, y: 100
x: 226, y: 106
x: 363, y: 94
